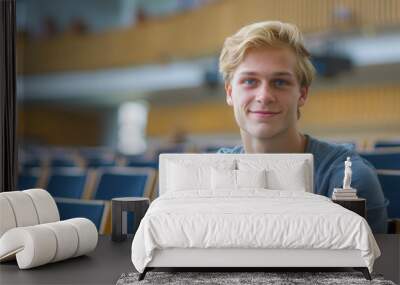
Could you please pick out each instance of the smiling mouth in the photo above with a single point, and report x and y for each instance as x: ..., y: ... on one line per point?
x: 264, y: 114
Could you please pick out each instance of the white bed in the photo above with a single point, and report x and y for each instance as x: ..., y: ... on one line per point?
x: 268, y: 217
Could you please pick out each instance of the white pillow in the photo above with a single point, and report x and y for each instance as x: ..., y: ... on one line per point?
x: 251, y: 178
x: 185, y: 175
x: 183, y: 178
x: 223, y: 179
x: 281, y: 174
x: 237, y: 179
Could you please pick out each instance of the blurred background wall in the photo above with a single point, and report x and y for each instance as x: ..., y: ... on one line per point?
x: 83, y: 64
x: 105, y: 86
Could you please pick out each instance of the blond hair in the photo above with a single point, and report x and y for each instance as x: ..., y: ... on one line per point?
x: 261, y: 35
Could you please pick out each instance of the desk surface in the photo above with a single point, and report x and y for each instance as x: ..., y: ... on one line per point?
x: 104, y: 265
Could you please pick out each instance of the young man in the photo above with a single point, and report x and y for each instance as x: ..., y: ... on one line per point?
x: 267, y: 73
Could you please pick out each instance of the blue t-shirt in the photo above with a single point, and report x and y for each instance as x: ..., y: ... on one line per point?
x: 328, y: 174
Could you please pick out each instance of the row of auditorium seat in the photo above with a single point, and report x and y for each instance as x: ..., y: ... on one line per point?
x: 386, y: 160
x: 390, y: 182
x: 84, y: 180
x: 33, y: 160
x: 386, y: 144
x: 105, y: 184
x: 385, y: 157
x: 98, y: 211
x: 102, y: 183
x: 88, y: 189
x: 87, y: 192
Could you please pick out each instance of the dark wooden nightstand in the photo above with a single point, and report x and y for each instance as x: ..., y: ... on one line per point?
x: 119, y: 207
x: 356, y: 205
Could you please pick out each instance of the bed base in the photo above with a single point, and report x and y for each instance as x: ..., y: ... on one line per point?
x: 363, y: 270
x: 251, y: 259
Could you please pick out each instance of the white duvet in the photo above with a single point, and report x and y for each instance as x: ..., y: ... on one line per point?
x: 251, y: 218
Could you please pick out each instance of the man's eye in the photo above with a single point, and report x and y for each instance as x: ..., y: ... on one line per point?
x: 249, y: 82
x: 280, y: 82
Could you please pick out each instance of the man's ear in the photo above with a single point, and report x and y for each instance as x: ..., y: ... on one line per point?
x: 303, y: 96
x: 228, y: 91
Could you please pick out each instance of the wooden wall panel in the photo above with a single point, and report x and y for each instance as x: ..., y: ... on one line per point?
x: 350, y: 110
x: 354, y: 108
x: 369, y: 111
x: 194, y: 33
x: 197, y: 118
x: 58, y: 126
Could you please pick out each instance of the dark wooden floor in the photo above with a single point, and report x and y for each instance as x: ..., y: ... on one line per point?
x: 102, y: 266
x: 110, y: 259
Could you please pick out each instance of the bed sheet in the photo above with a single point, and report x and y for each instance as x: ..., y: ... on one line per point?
x: 251, y: 218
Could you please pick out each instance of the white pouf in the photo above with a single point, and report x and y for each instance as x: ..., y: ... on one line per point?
x: 37, y: 245
x: 31, y: 232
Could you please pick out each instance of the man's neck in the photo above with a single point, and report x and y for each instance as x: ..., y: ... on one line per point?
x: 293, y: 142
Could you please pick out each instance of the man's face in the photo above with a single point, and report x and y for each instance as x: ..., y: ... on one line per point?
x: 265, y: 92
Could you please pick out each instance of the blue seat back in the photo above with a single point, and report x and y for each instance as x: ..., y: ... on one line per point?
x: 96, y: 162
x: 121, y: 182
x: 97, y: 157
x: 31, y: 163
x: 390, y: 182
x: 382, y: 144
x: 67, y: 182
x: 143, y: 163
x: 96, y: 211
x: 26, y: 181
x: 29, y: 178
x: 383, y: 160
x: 124, y: 182
x: 63, y: 162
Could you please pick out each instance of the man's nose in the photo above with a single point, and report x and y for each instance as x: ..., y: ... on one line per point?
x: 265, y: 94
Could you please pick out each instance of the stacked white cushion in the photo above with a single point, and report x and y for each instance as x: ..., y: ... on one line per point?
x: 281, y: 174
x: 87, y: 235
x: 32, y: 246
x: 24, y: 211
x: 7, y: 218
x: 45, y: 205
x: 26, y: 208
x: 31, y: 232
x: 41, y: 244
x: 67, y: 237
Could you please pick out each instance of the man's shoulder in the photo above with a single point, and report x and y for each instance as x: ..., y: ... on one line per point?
x: 328, y: 152
x: 235, y: 149
x: 330, y: 157
x: 316, y: 145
